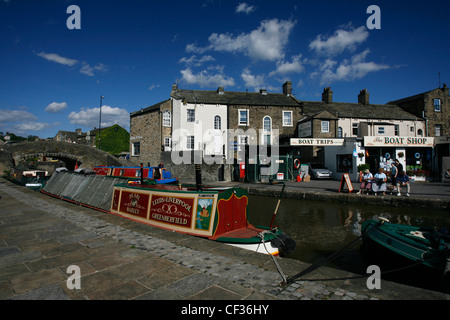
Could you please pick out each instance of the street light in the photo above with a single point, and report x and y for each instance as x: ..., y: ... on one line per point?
x: 100, y: 121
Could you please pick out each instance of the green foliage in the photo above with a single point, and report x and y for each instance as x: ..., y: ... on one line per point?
x: 363, y: 167
x: 114, y: 140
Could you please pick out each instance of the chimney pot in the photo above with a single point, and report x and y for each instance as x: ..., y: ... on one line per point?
x: 287, y: 88
x: 327, y: 95
x: 363, y: 97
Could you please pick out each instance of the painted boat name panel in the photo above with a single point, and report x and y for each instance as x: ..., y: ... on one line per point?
x: 172, y: 210
x: 192, y: 213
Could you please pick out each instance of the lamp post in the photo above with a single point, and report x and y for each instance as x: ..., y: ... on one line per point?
x: 100, y: 121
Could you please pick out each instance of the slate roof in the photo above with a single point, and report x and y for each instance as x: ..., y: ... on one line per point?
x: 235, y: 98
x: 148, y: 109
x: 357, y: 110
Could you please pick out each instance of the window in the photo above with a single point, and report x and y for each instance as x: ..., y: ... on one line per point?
x: 190, y: 143
x: 267, y: 130
x: 420, y: 132
x: 437, y: 105
x: 340, y: 132
x: 325, y: 126
x: 190, y: 115
x: 411, y: 129
x: 437, y: 130
x: 355, y: 129
x: 344, y: 163
x: 243, y: 117
x: 380, y: 130
x: 217, y: 123
x: 136, y: 149
x: 396, y: 130
x: 287, y: 118
x: 167, y: 120
x: 167, y: 143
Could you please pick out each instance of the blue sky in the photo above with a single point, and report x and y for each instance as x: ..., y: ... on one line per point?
x: 131, y: 52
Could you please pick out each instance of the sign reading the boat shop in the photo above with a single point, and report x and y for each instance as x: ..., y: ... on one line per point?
x: 397, y: 141
x: 172, y: 210
x: 134, y: 203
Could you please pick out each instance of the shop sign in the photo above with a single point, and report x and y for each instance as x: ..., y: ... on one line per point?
x: 442, y: 139
x: 395, y: 141
x: 316, y: 142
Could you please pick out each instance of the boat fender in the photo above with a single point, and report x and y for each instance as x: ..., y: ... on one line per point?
x: 284, y: 243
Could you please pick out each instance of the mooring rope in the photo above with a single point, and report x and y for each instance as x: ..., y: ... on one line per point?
x: 261, y: 236
x: 335, y: 254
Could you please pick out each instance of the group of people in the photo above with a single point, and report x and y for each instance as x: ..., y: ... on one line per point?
x: 378, y: 181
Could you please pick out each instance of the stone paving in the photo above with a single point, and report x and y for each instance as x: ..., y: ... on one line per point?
x: 119, y: 259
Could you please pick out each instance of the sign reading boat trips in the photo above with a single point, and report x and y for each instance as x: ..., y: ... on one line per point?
x: 397, y: 141
x: 172, y: 210
x: 316, y: 142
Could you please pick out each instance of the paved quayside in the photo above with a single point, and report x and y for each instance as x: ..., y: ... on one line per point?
x: 40, y: 237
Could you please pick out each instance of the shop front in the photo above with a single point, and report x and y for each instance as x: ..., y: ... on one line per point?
x: 415, y: 154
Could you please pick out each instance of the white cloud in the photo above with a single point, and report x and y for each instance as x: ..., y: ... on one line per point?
x: 85, y: 68
x: 89, y: 118
x: 349, y: 69
x: 206, y: 79
x: 153, y: 86
x: 251, y: 81
x: 340, y: 41
x: 32, y: 126
x: 89, y: 71
x: 8, y: 115
x: 289, y: 67
x: 245, y: 8
x: 196, y: 62
x: 55, y: 107
x: 57, y: 59
x: 267, y: 42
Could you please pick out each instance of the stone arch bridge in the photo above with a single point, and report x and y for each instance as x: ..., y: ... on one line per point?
x: 69, y: 153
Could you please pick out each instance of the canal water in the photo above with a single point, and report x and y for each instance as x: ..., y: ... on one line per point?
x: 323, y: 228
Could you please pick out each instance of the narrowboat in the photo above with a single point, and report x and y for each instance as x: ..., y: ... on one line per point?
x: 31, y: 178
x: 215, y: 213
x: 409, y: 245
x: 160, y: 175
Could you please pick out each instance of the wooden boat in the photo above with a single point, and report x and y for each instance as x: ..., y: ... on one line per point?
x: 412, y: 245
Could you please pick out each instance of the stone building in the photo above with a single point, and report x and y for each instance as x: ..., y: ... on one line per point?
x: 433, y: 106
x: 342, y: 135
x: 151, y: 133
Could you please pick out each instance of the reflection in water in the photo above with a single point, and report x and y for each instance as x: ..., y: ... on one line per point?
x: 321, y: 228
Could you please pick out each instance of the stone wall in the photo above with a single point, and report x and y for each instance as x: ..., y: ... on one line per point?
x: 186, y: 170
x: 146, y: 128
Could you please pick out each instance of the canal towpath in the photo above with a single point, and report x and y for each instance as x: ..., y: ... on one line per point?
x: 119, y: 259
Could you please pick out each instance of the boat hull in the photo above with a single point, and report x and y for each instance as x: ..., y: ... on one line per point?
x: 403, y: 245
x: 218, y: 214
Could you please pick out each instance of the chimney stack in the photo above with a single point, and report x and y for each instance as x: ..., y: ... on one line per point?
x: 220, y: 90
x: 327, y: 95
x: 287, y: 88
x: 174, y: 89
x: 363, y: 97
